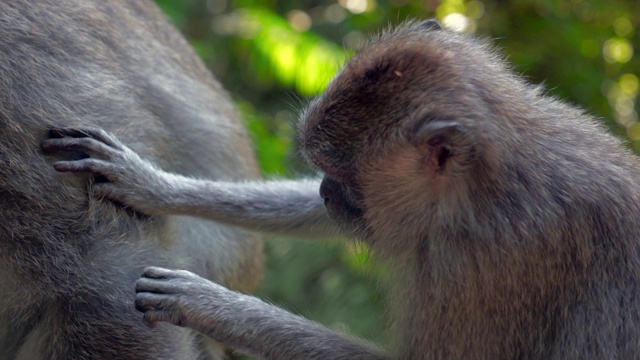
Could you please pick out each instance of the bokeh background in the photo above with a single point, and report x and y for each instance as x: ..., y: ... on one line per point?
x: 274, y: 55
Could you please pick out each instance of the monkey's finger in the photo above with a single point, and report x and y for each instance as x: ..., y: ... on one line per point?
x: 149, y: 320
x: 81, y: 132
x: 152, y: 317
x: 84, y: 165
x: 158, y: 286
x: 108, y: 191
x: 90, y: 146
x: 147, y: 301
x: 158, y: 308
x: 154, y: 272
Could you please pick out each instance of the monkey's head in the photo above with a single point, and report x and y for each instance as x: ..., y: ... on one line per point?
x: 404, y: 127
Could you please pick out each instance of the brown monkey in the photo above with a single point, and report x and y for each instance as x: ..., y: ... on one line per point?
x: 510, y: 220
x: 68, y: 262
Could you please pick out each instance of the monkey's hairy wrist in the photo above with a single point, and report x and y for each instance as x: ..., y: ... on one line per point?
x: 246, y: 323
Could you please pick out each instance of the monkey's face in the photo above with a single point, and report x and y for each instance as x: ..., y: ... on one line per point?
x: 344, y: 205
x: 395, y: 131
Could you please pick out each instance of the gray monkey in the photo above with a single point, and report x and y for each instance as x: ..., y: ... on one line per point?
x: 68, y: 263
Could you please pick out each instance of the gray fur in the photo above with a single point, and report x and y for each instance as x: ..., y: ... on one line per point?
x: 67, y: 261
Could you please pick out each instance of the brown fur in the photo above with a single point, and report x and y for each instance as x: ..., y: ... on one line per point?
x: 524, y: 243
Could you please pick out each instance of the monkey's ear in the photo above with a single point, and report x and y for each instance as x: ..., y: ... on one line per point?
x: 447, y: 142
x: 430, y: 25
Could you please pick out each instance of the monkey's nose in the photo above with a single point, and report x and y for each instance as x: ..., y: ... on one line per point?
x: 327, y: 188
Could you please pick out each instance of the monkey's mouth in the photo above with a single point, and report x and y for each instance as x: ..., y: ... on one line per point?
x: 343, y: 209
x: 341, y: 203
x: 348, y: 216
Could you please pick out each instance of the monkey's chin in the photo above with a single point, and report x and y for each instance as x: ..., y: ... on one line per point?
x: 350, y: 221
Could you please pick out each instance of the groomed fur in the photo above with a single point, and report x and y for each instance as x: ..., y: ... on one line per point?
x: 68, y: 261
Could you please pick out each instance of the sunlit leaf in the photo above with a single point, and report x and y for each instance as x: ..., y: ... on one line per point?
x: 302, y: 60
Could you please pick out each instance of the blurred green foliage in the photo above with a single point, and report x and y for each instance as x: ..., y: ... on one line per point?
x: 273, y: 54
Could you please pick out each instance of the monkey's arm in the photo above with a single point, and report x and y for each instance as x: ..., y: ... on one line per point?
x: 287, y: 207
x: 241, y: 321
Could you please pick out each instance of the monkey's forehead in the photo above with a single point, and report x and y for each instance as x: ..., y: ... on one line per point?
x: 414, y: 67
x: 385, y: 82
x: 412, y: 56
x: 400, y: 78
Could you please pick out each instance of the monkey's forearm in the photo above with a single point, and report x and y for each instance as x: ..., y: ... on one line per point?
x: 289, y: 207
x: 266, y: 331
x: 285, y: 207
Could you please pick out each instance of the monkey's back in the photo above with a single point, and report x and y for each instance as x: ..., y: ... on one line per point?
x: 550, y: 237
x: 69, y: 261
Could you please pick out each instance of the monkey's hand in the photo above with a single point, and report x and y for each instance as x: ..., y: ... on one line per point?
x: 175, y: 296
x: 131, y: 180
x: 241, y: 321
